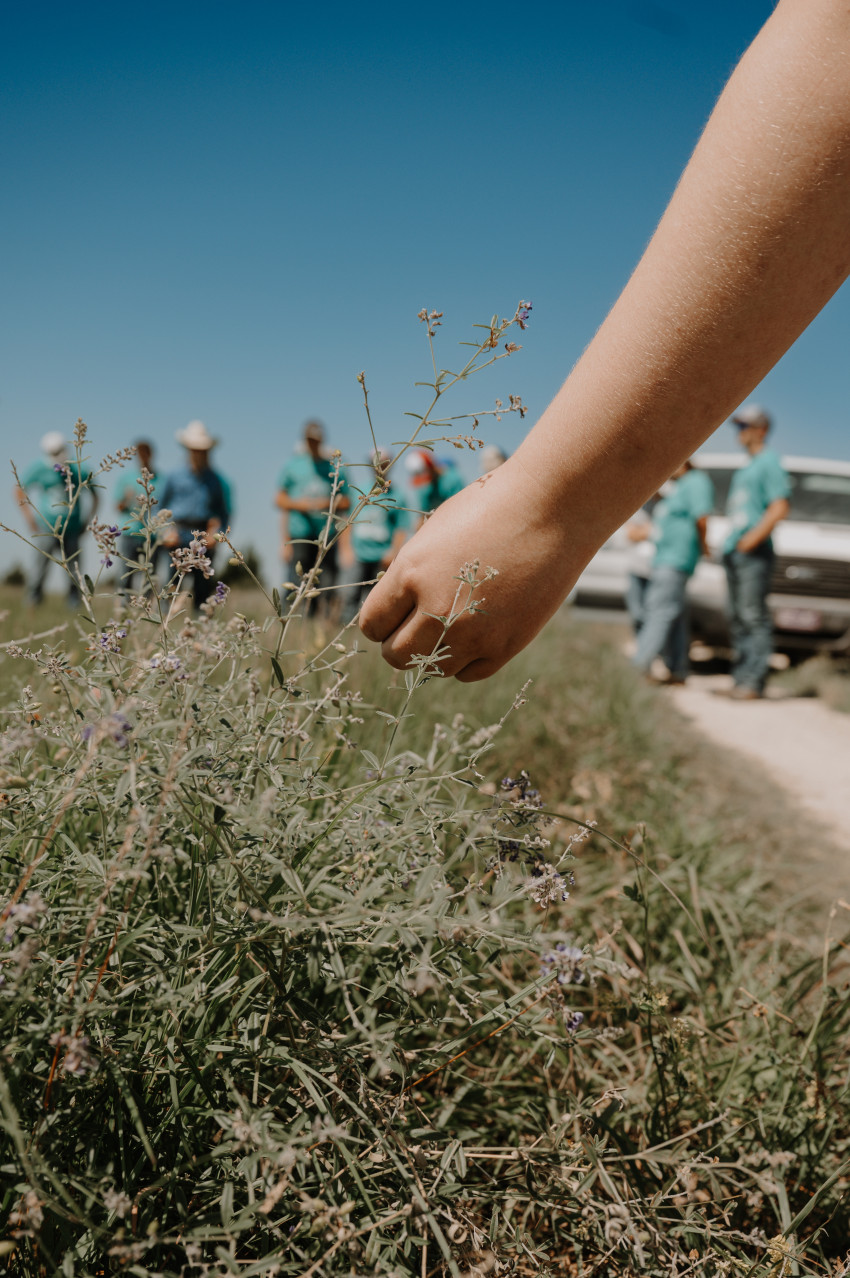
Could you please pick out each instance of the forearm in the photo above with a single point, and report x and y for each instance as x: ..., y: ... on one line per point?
x: 754, y: 242
x: 775, y: 513
x: 26, y: 508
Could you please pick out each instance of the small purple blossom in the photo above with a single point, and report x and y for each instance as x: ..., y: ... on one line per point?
x: 165, y: 663
x: 524, y: 795
x: 109, y: 638
x: 193, y: 558
x: 547, y: 885
x: 572, y: 1020
x: 24, y: 913
x: 78, y: 1059
x: 114, y: 726
x: 105, y: 536
x: 522, y: 314
x: 60, y: 469
x: 564, y: 964
x: 221, y: 591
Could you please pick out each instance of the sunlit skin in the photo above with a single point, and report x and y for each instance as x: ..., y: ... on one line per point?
x: 753, y: 244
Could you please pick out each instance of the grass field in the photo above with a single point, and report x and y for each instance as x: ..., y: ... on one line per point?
x: 683, y: 1112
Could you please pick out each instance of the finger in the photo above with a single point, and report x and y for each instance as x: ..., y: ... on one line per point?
x: 423, y: 635
x: 387, y: 607
x: 481, y: 668
x: 417, y: 636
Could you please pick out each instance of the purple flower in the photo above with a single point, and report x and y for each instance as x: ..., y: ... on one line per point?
x: 59, y: 468
x: 572, y: 1020
x: 564, y: 963
x: 106, y: 561
x: 115, y: 726
x: 221, y: 591
x: 526, y: 795
x: 522, y: 314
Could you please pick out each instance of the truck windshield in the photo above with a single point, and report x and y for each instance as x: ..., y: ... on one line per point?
x: 820, y: 499
x: 816, y: 498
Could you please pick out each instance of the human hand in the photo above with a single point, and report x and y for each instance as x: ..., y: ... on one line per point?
x: 503, y: 522
x: 748, y: 542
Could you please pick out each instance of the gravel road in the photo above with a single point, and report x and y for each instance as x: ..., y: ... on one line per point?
x: 804, y: 746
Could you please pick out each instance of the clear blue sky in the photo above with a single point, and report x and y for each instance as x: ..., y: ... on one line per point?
x: 226, y: 211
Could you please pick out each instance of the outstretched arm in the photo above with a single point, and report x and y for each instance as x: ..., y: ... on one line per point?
x: 755, y: 241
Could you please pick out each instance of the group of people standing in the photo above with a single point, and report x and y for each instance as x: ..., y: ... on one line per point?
x: 58, y: 505
x: 315, y: 489
x: 328, y: 526
x: 318, y: 496
x: 676, y: 525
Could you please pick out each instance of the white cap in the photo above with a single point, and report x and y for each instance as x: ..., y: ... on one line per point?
x: 491, y: 457
x: 752, y: 415
x: 196, y: 435
x: 54, y: 444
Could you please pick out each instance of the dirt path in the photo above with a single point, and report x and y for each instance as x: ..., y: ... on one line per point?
x: 803, y: 745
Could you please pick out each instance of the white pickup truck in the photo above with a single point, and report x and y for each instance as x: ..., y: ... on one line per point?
x: 810, y: 591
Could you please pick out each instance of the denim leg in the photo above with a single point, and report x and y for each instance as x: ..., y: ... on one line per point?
x: 664, y: 620
x: 636, y: 588
x: 71, y: 548
x: 675, y: 655
x: 353, y: 591
x: 45, y: 544
x: 750, y: 623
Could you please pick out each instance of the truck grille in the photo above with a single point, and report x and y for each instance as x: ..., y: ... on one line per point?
x: 824, y: 578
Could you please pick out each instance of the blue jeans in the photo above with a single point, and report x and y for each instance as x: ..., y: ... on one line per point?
x: 750, y: 623
x: 636, y: 588
x: 68, y: 548
x: 353, y: 590
x: 664, y: 632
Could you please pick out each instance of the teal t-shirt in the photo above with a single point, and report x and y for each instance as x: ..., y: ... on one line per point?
x: 675, y: 518
x: 304, y: 477
x: 428, y: 497
x: 128, y: 494
x: 53, y: 500
x: 763, y: 480
x: 373, y: 530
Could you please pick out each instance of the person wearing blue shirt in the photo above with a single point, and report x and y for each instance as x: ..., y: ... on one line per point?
x: 199, y: 500
x: 758, y: 501
x: 679, y: 523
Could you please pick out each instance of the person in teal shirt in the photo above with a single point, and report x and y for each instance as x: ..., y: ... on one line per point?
x: 758, y: 500
x: 129, y: 494
x: 59, y: 514
x: 371, y: 541
x: 432, y: 482
x: 679, y: 523
x: 311, y: 488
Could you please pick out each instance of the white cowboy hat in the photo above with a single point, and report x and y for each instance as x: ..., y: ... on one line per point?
x: 54, y: 443
x: 196, y: 435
